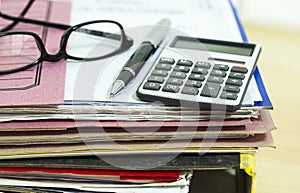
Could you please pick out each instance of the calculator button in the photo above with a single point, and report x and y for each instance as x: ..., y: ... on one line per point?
x: 165, y: 60
x: 218, y: 73
x: 163, y: 66
x: 231, y: 88
x: 151, y: 86
x: 175, y: 81
x: 235, y: 82
x: 229, y: 95
x: 237, y: 75
x: 183, y: 62
x: 157, y: 79
x: 181, y: 75
x: 199, y: 77
x: 198, y: 70
x: 190, y: 90
x: 182, y: 69
x: 239, y: 69
x: 193, y: 83
x: 163, y: 73
x: 206, y: 65
x: 215, y: 79
x: 222, y: 67
x: 211, y: 90
x: 171, y: 88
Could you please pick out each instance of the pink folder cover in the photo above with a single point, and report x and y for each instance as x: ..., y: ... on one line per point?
x: 63, y: 124
x: 42, y: 84
x: 265, y: 117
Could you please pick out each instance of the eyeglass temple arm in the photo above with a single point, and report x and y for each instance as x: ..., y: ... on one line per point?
x: 64, y: 27
x: 15, y: 22
x: 102, y: 34
x: 32, y: 21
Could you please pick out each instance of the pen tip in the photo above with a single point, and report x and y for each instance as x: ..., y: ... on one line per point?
x: 111, y: 95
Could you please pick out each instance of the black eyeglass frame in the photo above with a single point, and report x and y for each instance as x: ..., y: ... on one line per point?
x: 126, y: 41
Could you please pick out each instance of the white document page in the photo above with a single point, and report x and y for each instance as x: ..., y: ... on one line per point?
x: 200, y: 18
x: 92, y: 81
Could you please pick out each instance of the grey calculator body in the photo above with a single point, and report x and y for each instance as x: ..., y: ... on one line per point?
x: 204, y: 73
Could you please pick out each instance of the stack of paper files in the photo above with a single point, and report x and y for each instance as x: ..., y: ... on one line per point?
x: 39, y: 174
x: 98, y: 180
x: 67, y: 136
x: 57, y: 137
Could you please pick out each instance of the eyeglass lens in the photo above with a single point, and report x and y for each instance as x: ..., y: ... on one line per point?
x: 94, y: 40
x: 17, y: 51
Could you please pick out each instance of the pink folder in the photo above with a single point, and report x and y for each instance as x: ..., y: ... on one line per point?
x: 42, y: 84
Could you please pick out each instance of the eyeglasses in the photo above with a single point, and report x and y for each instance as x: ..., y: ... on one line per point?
x: 83, y: 42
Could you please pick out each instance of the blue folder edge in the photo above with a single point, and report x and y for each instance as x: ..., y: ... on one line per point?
x: 266, y: 102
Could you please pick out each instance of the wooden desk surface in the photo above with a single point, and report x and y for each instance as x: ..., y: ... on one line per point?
x: 279, y: 169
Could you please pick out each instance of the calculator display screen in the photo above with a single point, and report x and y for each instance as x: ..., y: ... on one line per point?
x: 218, y: 46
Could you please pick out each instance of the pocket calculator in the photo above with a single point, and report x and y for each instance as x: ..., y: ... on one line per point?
x: 204, y: 73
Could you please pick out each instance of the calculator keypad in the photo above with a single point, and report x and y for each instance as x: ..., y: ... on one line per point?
x: 199, y: 78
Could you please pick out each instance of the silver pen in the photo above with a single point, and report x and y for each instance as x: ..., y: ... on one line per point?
x: 140, y: 56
